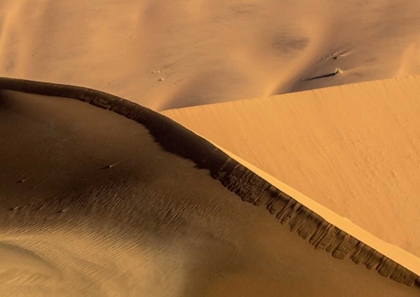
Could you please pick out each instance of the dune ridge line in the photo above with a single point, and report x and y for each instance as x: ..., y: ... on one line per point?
x: 233, y: 175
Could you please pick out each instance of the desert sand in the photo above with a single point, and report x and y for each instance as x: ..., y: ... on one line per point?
x: 121, y: 201
x: 94, y: 203
x: 207, y: 51
x: 353, y: 149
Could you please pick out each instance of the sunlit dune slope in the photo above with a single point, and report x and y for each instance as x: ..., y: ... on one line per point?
x: 169, y: 54
x: 121, y: 201
x: 354, y: 149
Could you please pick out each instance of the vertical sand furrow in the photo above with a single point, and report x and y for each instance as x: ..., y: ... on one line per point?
x: 324, y: 236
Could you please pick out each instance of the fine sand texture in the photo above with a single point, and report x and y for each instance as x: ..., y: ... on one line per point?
x: 113, y: 199
x: 170, y: 54
x: 354, y: 149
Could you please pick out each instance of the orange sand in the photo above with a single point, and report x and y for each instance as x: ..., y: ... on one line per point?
x: 353, y: 149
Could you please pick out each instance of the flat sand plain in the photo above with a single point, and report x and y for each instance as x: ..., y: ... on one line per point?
x: 96, y: 204
x: 169, y: 54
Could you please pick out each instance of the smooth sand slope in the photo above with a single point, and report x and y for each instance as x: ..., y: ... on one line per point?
x: 95, y: 204
x: 354, y: 149
x: 207, y: 50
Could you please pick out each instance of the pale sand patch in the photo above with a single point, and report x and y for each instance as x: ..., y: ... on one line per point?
x: 410, y: 64
x: 180, y: 53
x: 353, y: 149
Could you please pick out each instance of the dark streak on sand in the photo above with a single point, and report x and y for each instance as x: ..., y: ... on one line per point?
x: 234, y: 176
x: 336, y: 72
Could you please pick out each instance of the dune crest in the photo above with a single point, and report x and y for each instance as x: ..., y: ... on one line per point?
x: 250, y: 230
x: 356, y: 142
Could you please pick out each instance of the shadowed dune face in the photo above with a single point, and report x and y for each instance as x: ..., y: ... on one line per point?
x: 207, y: 51
x: 91, y: 204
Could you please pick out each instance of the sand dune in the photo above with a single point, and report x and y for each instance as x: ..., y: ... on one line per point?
x: 207, y: 51
x: 353, y: 149
x: 94, y: 203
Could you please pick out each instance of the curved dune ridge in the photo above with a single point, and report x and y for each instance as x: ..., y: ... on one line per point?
x: 129, y: 202
x: 191, y: 52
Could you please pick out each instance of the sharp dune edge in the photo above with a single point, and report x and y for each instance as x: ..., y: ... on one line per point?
x: 358, y: 142
x: 236, y: 177
x: 174, y: 54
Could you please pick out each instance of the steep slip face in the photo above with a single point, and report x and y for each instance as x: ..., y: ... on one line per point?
x: 353, y: 149
x: 81, y: 184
